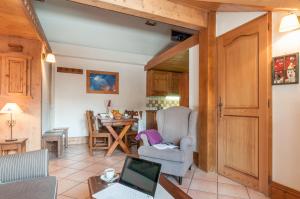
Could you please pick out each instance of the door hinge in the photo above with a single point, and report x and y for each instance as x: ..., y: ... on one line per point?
x: 269, y: 103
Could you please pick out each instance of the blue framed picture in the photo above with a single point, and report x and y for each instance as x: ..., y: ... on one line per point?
x: 102, y: 82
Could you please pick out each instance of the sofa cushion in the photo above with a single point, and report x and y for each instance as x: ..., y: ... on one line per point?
x: 175, y: 155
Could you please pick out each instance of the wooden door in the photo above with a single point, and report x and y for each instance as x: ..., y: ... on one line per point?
x: 244, y: 89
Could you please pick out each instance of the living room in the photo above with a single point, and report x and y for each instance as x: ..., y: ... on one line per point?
x: 126, y: 43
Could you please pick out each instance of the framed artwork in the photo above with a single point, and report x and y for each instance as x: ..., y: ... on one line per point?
x: 285, y: 69
x: 102, y: 82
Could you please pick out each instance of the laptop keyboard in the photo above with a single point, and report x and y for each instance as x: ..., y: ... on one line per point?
x: 117, y: 191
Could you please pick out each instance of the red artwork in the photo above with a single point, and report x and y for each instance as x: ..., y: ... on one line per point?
x: 285, y: 69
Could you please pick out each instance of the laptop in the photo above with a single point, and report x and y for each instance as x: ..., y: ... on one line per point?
x: 138, y: 180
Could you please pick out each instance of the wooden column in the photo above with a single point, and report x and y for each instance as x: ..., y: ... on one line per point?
x: 207, y: 143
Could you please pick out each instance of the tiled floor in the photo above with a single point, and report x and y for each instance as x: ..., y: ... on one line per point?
x: 76, y: 166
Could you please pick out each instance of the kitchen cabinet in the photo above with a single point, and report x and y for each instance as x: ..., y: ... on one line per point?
x: 162, y: 83
x: 15, y: 74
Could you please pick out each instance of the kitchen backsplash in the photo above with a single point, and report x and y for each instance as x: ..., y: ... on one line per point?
x: 156, y: 103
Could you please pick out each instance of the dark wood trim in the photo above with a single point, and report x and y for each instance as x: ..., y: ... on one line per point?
x: 196, y: 158
x: 280, y: 191
x: 171, y: 52
x: 208, y: 96
x: 32, y: 16
x: 69, y: 70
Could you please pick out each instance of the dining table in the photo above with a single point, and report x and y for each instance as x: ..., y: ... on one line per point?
x: 111, y: 124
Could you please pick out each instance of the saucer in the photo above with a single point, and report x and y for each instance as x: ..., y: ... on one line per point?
x: 102, y: 177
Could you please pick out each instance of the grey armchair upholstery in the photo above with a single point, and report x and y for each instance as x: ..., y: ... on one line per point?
x: 177, y: 125
x: 19, y: 167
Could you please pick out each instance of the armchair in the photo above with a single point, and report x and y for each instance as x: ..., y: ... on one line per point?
x: 177, y: 125
x: 19, y: 167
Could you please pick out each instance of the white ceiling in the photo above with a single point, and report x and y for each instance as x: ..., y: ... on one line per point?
x: 76, y: 24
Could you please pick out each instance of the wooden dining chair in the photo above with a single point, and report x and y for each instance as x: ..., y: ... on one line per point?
x: 98, y: 139
x: 129, y: 139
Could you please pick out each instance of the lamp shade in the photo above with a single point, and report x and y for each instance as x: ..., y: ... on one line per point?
x: 50, y: 58
x: 11, y: 108
x: 289, y: 23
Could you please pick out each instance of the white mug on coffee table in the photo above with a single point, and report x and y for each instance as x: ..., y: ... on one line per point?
x: 109, y: 173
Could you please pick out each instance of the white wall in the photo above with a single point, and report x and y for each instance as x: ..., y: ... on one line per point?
x: 70, y: 97
x: 46, y: 96
x: 286, y: 114
x: 194, y: 77
x: 286, y: 103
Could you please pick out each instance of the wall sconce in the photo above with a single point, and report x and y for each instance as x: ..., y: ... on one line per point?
x: 50, y: 58
x: 289, y: 22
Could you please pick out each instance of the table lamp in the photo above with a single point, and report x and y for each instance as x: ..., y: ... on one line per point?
x: 11, y: 108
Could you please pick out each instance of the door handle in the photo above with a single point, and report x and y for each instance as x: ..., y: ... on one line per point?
x: 220, y: 107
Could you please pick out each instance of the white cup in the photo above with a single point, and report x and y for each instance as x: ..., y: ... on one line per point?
x: 109, y: 173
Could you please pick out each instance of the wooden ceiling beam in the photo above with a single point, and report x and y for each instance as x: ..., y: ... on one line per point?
x: 173, y: 51
x: 272, y: 5
x: 158, y: 10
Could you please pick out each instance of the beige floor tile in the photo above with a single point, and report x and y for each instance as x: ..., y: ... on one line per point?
x: 201, y: 195
x: 53, y: 168
x: 210, y: 176
x: 62, y: 173
x: 224, y: 180
x: 189, y: 173
x: 256, y: 195
x: 233, y: 190
x: 80, y: 176
x: 227, y: 197
x: 64, y: 185
x: 96, y: 168
x: 63, y: 162
x: 80, y: 191
x: 80, y: 165
x: 77, y: 157
x: 63, y: 197
x: 204, y: 185
x: 185, y: 182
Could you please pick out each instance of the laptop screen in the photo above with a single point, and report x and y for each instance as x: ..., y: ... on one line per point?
x: 141, y: 175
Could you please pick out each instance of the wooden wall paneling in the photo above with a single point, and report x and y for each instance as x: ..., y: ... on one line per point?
x: 208, y: 95
x: 173, y: 51
x: 69, y: 70
x: 28, y: 123
x: 163, y: 11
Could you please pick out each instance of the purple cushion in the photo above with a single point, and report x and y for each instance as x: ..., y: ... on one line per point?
x: 152, y: 135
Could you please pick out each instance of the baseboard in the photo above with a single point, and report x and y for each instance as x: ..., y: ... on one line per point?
x: 196, y: 158
x: 78, y: 140
x: 279, y: 191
